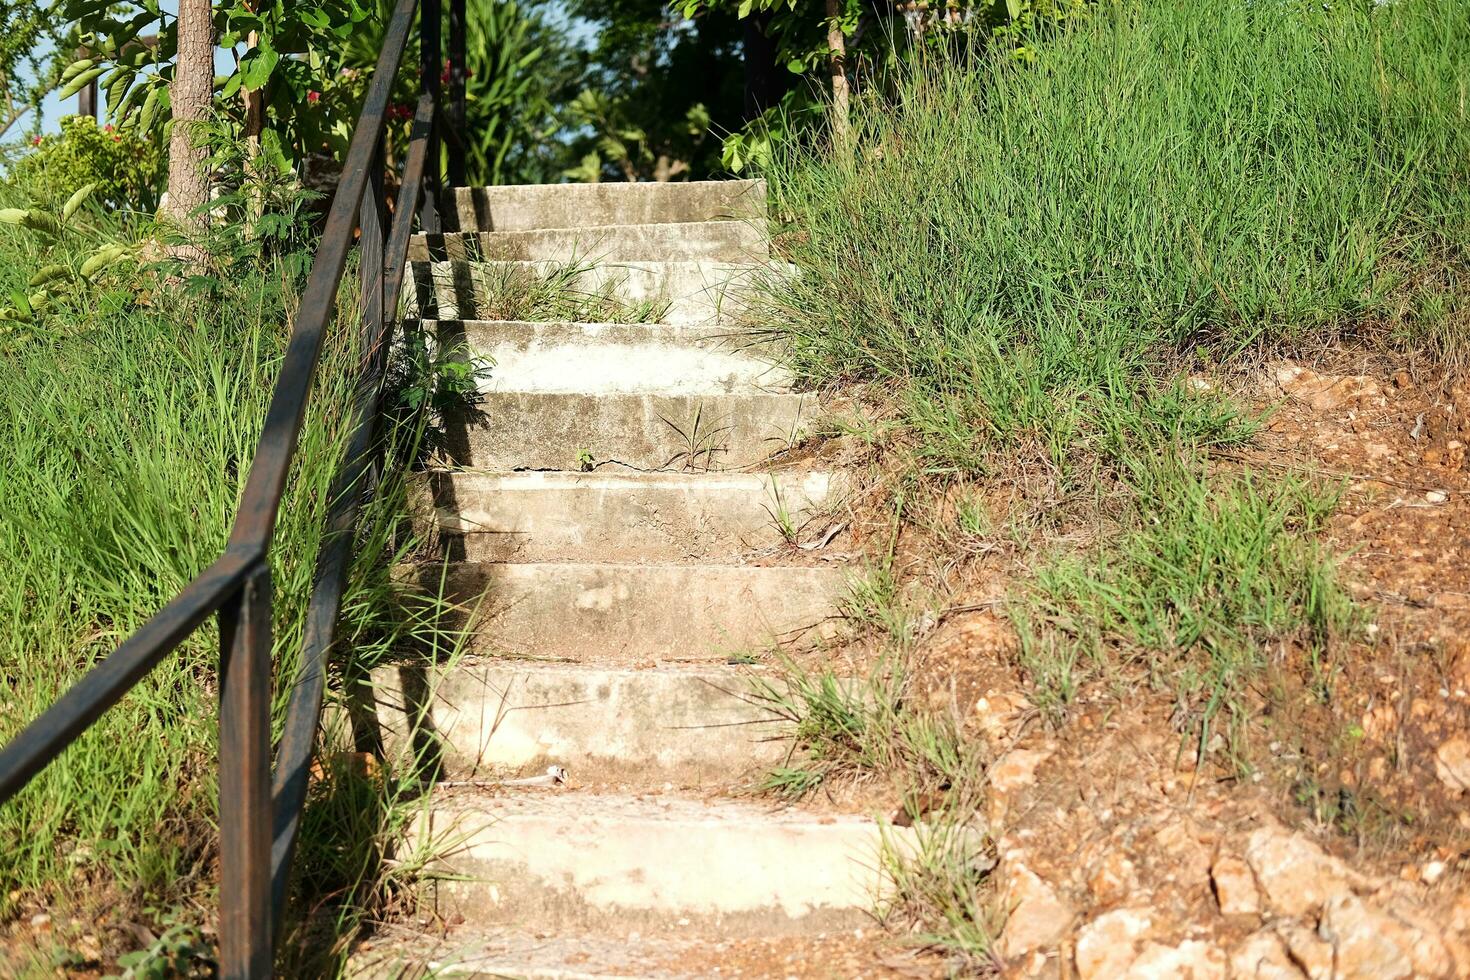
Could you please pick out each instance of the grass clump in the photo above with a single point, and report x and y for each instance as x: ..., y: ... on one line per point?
x: 126, y: 434
x: 1027, y: 258
x: 555, y: 293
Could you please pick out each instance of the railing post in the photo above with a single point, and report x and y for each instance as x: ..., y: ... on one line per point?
x: 430, y: 68
x: 373, y: 218
x: 246, y: 946
x: 456, y: 91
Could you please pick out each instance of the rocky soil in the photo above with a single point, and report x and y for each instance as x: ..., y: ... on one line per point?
x: 1342, y: 849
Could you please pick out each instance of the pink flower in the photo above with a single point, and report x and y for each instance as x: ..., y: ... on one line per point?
x: 35, y: 141
x: 313, y: 96
x: 107, y: 128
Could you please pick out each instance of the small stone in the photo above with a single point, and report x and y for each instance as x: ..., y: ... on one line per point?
x: 1015, y: 769
x: 1380, y: 721
x: 1107, y: 945
x: 1309, y: 952
x: 1295, y: 874
x: 1452, y: 764
x: 41, y: 922
x: 1113, y: 879
x: 1437, y: 497
x: 1191, y: 959
x: 1263, y: 956
x: 1370, y: 943
x: 1432, y: 871
x: 1235, y: 887
x: 1038, y: 917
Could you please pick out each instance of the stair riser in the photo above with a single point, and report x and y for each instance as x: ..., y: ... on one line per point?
x: 587, y: 517
x: 713, y: 875
x: 716, y: 241
x: 644, y: 728
x: 551, y: 431
x: 598, y: 358
x: 591, y: 205
x: 669, y: 292
x: 632, y: 614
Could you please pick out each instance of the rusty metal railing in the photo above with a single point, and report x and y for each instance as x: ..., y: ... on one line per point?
x: 259, y: 816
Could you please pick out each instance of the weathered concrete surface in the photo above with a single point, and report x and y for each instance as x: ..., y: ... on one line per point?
x: 521, y: 208
x: 398, y: 954
x: 589, y: 358
x: 718, y: 241
x: 568, y: 860
x: 513, y: 430
x: 625, y: 613
x: 541, y: 516
x: 487, y: 718
x: 683, y: 292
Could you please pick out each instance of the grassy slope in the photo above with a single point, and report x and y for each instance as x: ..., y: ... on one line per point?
x: 124, y: 442
x: 1030, y: 255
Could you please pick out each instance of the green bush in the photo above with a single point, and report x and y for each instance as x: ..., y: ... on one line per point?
x: 126, y: 167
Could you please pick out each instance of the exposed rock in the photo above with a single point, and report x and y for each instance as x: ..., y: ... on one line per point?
x: 1325, y: 392
x: 1017, y: 768
x: 997, y: 710
x: 1038, y: 917
x: 1190, y: 960
x: 1263, y: 956
x: 1107, y: 945
x: 1296, y: 875
x: 1452, y: 764
x: 1183, y: 844
x: 1113, y: 879
x: 1308, y: 951
x: 1235, y: 887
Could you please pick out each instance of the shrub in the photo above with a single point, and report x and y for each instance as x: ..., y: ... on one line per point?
x: 127, y: 168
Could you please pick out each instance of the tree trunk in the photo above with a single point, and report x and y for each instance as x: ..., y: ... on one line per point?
x: 837, y: 50
x: 191, y: 95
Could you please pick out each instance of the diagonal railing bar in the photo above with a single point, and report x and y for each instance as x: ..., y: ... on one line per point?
x: 260, y: 819
x: 256, y: 518
x: 105, y: 684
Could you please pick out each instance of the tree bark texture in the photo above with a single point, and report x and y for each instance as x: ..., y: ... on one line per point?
x: 191, y: 96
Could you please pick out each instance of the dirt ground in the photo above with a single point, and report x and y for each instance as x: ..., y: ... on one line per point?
x: 1343, y: 849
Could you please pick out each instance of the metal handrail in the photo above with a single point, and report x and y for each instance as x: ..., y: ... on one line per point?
x: 259, y: 818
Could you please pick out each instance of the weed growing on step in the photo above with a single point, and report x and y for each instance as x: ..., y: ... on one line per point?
x: 554, y: 292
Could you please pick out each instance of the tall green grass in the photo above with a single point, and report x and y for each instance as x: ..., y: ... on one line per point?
x: 126, y: 434
x: 1027, y: 257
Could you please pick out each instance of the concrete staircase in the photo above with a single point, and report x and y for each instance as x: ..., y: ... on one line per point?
x: 629, y: 568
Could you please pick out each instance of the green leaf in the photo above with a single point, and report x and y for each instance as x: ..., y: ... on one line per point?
x: 257, y: 66
x: 76, y: 67
x: 77, y: 200
x: 13, y: 216
x: 102, y: 258
x: 80, y: 82
x: 48, y: 274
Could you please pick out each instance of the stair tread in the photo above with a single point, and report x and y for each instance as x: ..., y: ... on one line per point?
x: 468, y: 951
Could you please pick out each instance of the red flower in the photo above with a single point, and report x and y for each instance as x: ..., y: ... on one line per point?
x: 35, y: 141
x: 313, y: 96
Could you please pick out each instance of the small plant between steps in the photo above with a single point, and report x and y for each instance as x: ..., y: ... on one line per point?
x: 511, y: 292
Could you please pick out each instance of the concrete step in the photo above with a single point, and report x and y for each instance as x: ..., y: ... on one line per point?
x: 711, y: 241
x: 669, y: 292
x: 516, y: 430
x: 556, y: 861
x: 589, y: 358
x: 633, y: 614
x: 489, y: 718
x: 530, y: 206
x: 400, y: 953
x: 547, y: 516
